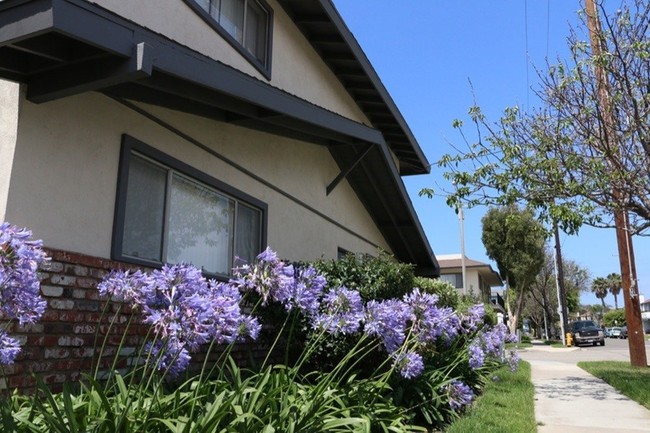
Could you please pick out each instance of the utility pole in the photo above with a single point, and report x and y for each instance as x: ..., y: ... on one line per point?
x: 559, y: 283
x: 461, y: 219
x: 636, y: 339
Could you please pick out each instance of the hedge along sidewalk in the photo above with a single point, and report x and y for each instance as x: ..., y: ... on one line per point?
x: 506, y: 405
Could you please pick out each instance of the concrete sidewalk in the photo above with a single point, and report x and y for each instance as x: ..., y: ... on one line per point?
x: 570, y: 400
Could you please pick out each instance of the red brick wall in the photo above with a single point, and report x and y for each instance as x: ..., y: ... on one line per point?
x: 60, y: 347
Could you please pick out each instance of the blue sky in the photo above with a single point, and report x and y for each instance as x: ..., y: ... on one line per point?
x: 427, y: 51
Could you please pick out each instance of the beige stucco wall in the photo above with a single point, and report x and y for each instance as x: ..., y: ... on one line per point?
x: 472, y: 285
x: 296, y: 67
x: 9, y: 108
x: 63, y: 183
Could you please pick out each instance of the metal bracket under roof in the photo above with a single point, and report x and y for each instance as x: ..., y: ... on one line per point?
x: 347, y: 171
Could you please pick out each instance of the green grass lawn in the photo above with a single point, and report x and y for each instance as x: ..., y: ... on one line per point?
x: 506, y: 406
x: 634, y: 382
x: 518, y: 345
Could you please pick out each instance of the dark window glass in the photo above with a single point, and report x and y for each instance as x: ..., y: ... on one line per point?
x: 144, y: 216
x: 172, y: 217
x: 246, y: 21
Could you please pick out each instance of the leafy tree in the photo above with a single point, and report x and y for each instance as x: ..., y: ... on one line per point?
x: 614, y: 318
x: 600, y: 288
x: 541, y: 303
x: 573, y: 301
x: 597, y: 311
x: 515, y: 241
x: 615, y: 284
x: 574, y: 160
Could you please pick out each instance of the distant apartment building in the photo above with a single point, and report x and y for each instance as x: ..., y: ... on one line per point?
x: 481, y: 278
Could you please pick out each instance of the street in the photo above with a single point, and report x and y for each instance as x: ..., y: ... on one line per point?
x: 614, y: 350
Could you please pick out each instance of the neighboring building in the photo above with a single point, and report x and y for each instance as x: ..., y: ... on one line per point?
x: 481, y: 278
x: 192, y: 130
x: 645, y: 315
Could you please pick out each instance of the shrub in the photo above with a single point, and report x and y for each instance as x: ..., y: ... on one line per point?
x: 447, y: 294
x: 376, y: 278
x: 430, y: 359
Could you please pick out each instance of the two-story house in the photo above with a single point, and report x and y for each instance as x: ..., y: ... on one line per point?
x: 154, y: 131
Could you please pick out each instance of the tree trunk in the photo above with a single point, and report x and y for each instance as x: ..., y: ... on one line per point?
x: 514, y: 315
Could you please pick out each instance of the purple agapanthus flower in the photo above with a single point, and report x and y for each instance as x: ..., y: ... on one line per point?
x: 429, y: 322
x: 341, y: 312
x: 409, y: 364
x: 388, y: 320
x: 460, y: 395
x: 124, y: 286
x: 183, y: 309
x: 513, y: 360
x: 249, y: 327
x: 490, y: 344
x: 268, y: 276
x: 170, y: 357
x: 307, y: 290
x: 20, y: 258
x: 9, y: 348
x: 474, y: 317
x: 476, y: 355
x: 20, y: 299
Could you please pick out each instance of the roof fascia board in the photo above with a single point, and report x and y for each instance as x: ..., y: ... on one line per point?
x: 363, y: 60
x: 406, y: 202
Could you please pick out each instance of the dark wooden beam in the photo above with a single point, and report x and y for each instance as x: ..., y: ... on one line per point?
x: 91, y: 75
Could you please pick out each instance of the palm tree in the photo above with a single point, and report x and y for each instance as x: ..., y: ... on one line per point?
x: 600, y: 288
x: 615, y: 283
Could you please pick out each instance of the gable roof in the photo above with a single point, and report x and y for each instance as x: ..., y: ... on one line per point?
x: 64, y: 47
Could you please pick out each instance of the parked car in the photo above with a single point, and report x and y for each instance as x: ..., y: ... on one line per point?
x: 623, y: 333
x: 614, y: 332
x: 585, y: 332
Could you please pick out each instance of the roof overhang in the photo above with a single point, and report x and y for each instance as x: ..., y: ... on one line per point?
x: 60, y: 48
x: 329, y: 35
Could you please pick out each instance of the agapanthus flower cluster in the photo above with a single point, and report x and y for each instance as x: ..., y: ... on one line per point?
x: 430, y: 321
x: 170, y: 356
x: 302, y: 289
x: 388, y: 321
x: 417, y: 316
x: 9, y: 348
x: 183, y: 309
x: 20, y: 258
x: 409, y: 364
x: 473, y: 319
x: 460, y: 395
x: 270, y: 277
x: 337, y: 311
x: 341, y: 312
x: 490, y: 344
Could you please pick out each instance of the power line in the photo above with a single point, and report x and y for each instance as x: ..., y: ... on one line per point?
x: 527, y: 55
